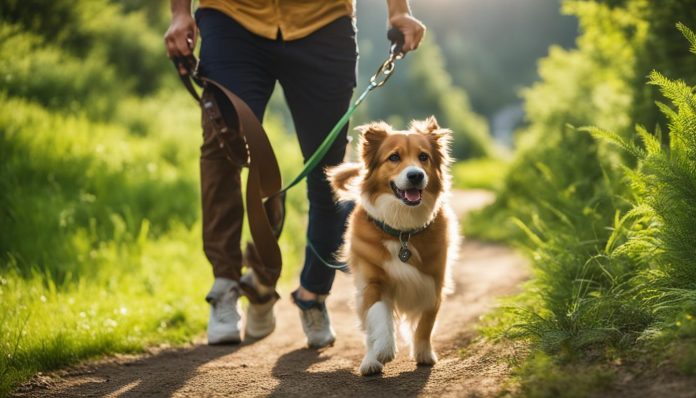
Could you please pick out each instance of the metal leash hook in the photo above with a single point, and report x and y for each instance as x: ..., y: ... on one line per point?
x: 386, y: 70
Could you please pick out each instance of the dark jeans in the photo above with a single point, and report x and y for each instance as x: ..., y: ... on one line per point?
x: 318, y: 75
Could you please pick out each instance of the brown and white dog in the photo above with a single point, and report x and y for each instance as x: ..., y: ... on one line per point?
x: 401, y: 237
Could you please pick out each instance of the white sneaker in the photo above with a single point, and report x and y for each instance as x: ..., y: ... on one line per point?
x: 223, y: 325
x: 315, y: 321
x: 260, y: 320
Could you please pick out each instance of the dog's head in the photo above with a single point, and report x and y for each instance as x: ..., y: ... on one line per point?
x: 406, y: 172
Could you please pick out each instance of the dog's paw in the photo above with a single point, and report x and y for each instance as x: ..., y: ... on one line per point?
x: 386, y: 349
x: 370, y: 366
x: 424, y: 355
x: 386, y: 355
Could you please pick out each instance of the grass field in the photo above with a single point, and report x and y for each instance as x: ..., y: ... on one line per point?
x: 101, y: 236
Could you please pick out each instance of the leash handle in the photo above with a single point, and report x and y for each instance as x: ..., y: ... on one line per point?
x: 397, y: 41
x: 190, y: 64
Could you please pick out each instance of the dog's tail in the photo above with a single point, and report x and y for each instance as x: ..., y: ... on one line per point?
x: 344, y: 181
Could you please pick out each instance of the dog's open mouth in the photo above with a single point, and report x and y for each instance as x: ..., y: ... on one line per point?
x: 410, y: 197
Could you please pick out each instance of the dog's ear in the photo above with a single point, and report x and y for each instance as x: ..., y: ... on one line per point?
x: 440, y: 138
x: 371, y: 137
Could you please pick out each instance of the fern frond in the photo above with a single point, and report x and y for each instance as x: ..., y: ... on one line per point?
x: 666, y: 110
x: 616, y: 139
x: 689, y: 34
x: 652, y: 144
x: 676, y: 90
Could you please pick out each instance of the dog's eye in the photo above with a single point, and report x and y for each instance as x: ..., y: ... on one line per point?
x: 423, y: 157
x: 394, y: 157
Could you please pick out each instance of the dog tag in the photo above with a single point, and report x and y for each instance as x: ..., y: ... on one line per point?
x: 404, y: 254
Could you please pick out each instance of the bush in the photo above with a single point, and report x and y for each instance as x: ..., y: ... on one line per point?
x: 609, y: 228
x: 86, y: 29
x: 87, y: 85
x: 597, y: 289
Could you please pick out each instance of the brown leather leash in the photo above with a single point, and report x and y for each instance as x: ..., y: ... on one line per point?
x: 265, y: 211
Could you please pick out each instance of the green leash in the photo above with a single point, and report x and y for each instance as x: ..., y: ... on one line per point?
x: 377, y: 80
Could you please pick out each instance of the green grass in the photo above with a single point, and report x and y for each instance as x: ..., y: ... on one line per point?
x: 482, y: 173
x: 145, y: 292
x: 541, y: 376
x: 100, y: 245
x: 100, y: 237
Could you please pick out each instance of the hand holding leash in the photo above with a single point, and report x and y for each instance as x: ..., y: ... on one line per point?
x: 180, y: 38
x: 411, y: 29
x: 397, y: 42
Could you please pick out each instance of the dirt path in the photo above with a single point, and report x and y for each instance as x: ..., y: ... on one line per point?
x: 280, y: 365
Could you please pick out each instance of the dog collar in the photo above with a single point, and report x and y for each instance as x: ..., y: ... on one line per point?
x: 404, y: 236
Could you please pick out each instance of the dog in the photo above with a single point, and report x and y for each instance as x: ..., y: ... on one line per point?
x: 401, y: 236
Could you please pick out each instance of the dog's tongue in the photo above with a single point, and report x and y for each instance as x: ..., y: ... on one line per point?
x: 412, y: 195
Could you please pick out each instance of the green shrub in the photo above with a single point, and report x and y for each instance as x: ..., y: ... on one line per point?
x: 84, y: 29
x: 602, y: 283
x: 87, y: 85
x: 558, y: 170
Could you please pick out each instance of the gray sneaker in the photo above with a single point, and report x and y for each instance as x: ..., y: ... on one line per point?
x: 315, y: 321
x: 260, y: 320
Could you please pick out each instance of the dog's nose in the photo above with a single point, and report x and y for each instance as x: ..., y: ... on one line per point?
x: 415, y: 176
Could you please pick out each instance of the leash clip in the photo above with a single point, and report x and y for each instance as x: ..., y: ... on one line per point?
x: 385, y: 71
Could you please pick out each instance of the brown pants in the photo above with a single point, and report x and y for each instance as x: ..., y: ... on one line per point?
x: 223, y: 208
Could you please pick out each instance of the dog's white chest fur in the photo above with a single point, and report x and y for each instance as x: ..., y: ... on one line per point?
x: 412, y: 291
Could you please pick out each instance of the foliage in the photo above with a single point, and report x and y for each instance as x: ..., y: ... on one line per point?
x: 541, y: 377
x: 100, y: 246
x: 78, y: 85
x: 84, y: 28
x: 609, y: 228
x: 490, y: 47
x: 484, y: 173
x: 588, y: 85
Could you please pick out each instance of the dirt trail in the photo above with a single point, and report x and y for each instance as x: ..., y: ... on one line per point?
x: 280, y: 365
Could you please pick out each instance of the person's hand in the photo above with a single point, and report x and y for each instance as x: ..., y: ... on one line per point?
x: 180, y: 38
x: 412, y: 29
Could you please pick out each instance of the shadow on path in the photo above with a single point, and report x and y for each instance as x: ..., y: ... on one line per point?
x: 161, y: 374
x: 296, y: 378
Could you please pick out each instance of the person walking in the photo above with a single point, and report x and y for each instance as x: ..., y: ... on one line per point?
x: 309, y: 47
